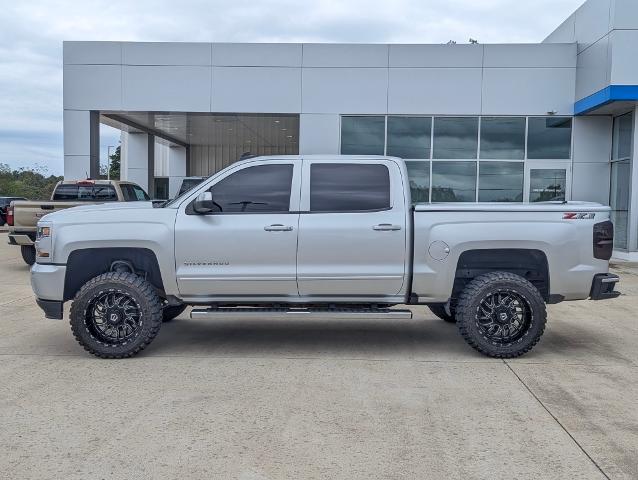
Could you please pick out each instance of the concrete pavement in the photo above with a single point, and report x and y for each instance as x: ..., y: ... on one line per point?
x: 319, y: 399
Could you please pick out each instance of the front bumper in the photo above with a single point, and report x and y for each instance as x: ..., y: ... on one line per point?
x: 602, y: 286
x: 47, y: 281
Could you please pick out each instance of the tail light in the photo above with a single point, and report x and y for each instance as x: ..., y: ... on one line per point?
x: 10, y: 215
x: 603, y: 240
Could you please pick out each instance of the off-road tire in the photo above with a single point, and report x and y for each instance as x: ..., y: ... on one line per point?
x: 141, y: 291
x: 28, y: 254
x: 438, y: 309
x: 169, y: 312
x: 481, y: 287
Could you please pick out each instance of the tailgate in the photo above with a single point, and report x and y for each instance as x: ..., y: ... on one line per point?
x: 28, y: 214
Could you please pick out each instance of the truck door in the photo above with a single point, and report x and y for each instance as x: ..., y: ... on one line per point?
x: 352, y: 232
x: 249, y: 247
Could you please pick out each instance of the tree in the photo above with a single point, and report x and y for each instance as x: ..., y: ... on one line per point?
x: 115, y: 164
x: 31, y: 184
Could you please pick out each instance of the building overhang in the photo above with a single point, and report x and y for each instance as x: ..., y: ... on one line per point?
x: 609, y: 100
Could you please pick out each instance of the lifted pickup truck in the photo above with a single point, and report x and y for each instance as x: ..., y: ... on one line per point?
x: 24, y: 215
x: 326, y: 236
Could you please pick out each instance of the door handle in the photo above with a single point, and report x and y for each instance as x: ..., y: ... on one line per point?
x: 385, y: 227
x: 277, y: 227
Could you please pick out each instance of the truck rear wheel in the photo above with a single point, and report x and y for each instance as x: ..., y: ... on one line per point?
x: 440, y: 311
x: 28, y: 254
x: 501, y: 315
x: 116, y: 315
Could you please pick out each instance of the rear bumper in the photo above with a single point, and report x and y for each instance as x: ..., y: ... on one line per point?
x: 52, y: 309
x: 602, y: 286
x: 21, y: 239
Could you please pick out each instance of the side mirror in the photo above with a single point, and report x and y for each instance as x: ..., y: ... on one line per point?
x: 204, y: 204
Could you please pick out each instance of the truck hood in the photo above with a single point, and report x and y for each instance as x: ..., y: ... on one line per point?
x: 74, y: 213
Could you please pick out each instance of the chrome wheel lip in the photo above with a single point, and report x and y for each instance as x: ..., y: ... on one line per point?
x: 113, y: 317
x: 504, y: 316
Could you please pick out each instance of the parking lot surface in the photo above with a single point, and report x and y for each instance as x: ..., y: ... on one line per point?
x: 319, y: 399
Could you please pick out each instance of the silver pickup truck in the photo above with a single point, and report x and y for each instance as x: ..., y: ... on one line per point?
x: 326, y: 236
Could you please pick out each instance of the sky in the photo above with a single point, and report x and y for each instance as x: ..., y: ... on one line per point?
x: 33, y: 30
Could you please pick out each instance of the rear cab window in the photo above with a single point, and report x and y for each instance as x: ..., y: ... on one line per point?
x: 349, y: 187
x: 89, y: 193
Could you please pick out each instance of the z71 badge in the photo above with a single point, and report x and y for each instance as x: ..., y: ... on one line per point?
x: 578, y: 216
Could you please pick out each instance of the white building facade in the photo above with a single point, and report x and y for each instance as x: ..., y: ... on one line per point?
x: 507, y: 122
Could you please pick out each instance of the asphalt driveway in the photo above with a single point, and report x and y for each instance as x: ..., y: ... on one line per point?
x: 319, y: 399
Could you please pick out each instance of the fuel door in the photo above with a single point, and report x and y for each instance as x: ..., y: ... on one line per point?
x: 439, y: 250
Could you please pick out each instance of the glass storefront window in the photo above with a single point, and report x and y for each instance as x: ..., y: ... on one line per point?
x: 419, y: 177
x: 503, y: 138
x: 547, y: 184
x: 549, y: 138
x: 455, y: 137
x: 623, y: 137
x: 362, y: 135
x: 501, y: 181
x: 454, y: 181
x: 619, y: 201
x: 409, y: 137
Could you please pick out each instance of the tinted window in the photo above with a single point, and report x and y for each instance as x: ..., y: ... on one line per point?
x: 189, y: 183
x: 455, y: 137
x: 547, y: 184
x: 88, y: 193
x: 623, y: 136
x: 133, y: 193
x: 549, y: 138
x: 419, y: 176
x: 259, y: 189
x: 348, y: 187
x: 409, y: 137
x: 454, y: 181
x: 501, y: 182
x: 362, y: 135
x: 503, y: 138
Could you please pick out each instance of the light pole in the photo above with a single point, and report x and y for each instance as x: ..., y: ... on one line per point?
x: 108, y: 161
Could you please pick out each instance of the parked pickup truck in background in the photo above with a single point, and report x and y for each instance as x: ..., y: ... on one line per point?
x: 23, y: 216
x: 319, y: 236
x: 4, y: 205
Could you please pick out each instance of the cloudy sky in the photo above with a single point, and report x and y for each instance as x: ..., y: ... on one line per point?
x: 33, y: 30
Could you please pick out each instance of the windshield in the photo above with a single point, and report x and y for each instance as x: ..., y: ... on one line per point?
x: 192, y: 183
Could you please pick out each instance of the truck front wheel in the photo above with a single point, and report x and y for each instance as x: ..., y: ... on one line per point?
x: 28, y: 254
x: 116, y: 315
x: 501, y: 315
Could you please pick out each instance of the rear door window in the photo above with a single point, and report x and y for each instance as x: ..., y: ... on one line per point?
x: 133, y: 193
x: 349, y: 187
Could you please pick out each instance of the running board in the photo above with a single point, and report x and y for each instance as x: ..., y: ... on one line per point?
x: 244, y: 313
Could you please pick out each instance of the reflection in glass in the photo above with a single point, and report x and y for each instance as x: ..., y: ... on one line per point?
x: 362, y: 135
x: 501, y: 182
x: 409, y: 137
x: 503, y: 138
x: 549, y: 138
x: 623, y: 136
x: 419, y: 174
x: 455, y: 137
x: 619, y: 201
x: 547, y: 185
x: 454, y: 181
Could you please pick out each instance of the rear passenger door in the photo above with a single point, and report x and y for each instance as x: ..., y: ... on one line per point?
x: 352, y: 232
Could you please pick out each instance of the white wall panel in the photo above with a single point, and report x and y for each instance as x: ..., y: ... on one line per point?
x: 319, y: 134
x: 76, y: 166
x: 92, y: 87
x: 592, y: 22
x: 530, y: 55
x: 344, y: 90
x: 624, y: 56
x: 565, y: 33
x: 592, y: 139
x: 92, y: 53
x: 257, y: 54
x: 590, y: 182
x: 624, y: 14
x: 445, y: 91
x: 256, y: 90
x: 157, y: 88
x: 77, y: 132
x: 344, y: 55
x: 592, y: 73
x: 436, y: 56
x: 532, y: 91
x: 164, y: 53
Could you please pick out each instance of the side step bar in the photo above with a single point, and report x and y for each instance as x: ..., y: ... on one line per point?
x: 245, y: 313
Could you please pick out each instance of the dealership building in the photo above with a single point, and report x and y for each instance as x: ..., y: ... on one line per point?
x: 500, y: 122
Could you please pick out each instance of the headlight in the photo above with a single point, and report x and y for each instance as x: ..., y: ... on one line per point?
x: 43, y: 232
